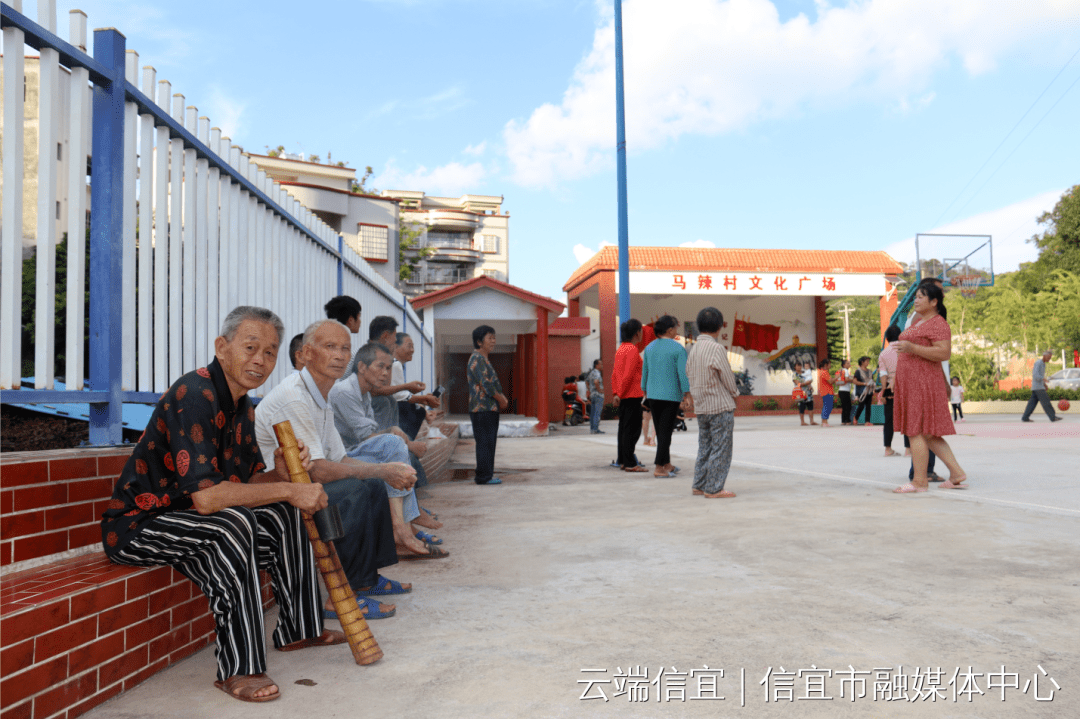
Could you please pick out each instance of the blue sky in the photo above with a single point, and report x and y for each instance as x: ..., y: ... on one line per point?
x: 786, y: 124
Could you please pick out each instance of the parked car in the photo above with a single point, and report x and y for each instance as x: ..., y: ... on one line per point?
x: 1065, y: 379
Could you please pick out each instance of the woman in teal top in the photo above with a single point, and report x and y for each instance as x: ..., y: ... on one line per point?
x: 663, y: 377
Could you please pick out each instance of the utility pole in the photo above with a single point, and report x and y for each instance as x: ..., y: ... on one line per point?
x: 846, y: 310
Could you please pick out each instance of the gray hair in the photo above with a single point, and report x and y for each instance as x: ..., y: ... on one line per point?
x: 400, y: 338
x: 309, y: 333
x: 234, y: 319
x: 367, y: 354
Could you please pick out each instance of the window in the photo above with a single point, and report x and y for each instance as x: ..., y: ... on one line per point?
x: 374, y: 241
x: 491, y: 243
x: 493, y: 274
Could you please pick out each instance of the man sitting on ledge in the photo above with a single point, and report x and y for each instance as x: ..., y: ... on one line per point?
x: 359, y: 489
x: 355, y: 420
x: 173, y: 506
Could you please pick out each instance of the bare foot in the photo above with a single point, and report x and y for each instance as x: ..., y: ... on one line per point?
x: 409, y: 543
x: 425, y: 520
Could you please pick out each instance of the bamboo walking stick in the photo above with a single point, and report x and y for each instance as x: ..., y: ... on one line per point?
x: 364, y: 647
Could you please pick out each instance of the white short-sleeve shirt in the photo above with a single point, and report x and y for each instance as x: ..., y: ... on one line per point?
x: 298, y: 399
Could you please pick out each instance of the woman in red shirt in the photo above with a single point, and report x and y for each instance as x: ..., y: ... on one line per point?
x: 626, y: 386
x: 825, y: 389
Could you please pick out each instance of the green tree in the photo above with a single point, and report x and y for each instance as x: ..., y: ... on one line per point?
x: 834, y: 333
x: 361, y: 187
x: 29, y: 305
x: 409, y: 255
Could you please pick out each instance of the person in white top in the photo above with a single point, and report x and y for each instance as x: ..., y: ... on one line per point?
x: 843, y: 390
x: 956, y: 397
x: 302, y: 399
x: 410, y: 405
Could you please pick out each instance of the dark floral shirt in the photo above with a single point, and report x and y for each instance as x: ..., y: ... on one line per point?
x: 196, y: 438
x: 483, y: 384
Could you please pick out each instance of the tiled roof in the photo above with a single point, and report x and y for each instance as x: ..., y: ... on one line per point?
x: 460, y: 288
x: 737, y: 260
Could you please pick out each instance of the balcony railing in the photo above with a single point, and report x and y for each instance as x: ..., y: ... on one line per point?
x: 450, y: 240
x: 439, y: 277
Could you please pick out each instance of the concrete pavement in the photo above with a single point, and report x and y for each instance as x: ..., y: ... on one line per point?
x: 815, y: 575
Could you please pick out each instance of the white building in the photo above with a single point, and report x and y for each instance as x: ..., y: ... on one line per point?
x: 465, y: 237
x: 368, y: 223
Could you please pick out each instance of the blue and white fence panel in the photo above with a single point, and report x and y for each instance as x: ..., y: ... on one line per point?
x: 183, y: 228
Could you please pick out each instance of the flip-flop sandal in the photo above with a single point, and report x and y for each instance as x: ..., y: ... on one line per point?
x: 328, y: 638
x: 433, y: 552
x: 908, y: 489
x: 948, y: 484
x: 372, y: 612
x: 635, y: 469
x: 675, y: 470
x: 697, y: 492
x: 243, y: 687
x: 384, y: 587
x: 430, y: 538
x: 663, y: 476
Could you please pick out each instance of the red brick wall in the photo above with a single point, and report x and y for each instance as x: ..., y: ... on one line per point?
x: 75, y: 632
x: 564, y: 359
x: 51, y: 502
x: 68, y: 648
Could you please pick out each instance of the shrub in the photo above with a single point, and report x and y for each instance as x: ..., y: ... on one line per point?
x: 772, y: 404
x: 758, y: 405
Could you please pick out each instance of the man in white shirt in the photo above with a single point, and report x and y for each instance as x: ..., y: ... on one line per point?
x: 410, y: 404
x: 358, y: 488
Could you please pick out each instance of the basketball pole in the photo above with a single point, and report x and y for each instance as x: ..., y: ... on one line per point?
x: 620, y: 160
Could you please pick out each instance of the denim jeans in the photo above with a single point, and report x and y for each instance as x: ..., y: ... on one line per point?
x: 384, y: 448
x: 596, y: 408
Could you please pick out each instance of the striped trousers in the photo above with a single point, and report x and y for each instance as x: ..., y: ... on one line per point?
x: 223, y: 553
x: 714, y: 451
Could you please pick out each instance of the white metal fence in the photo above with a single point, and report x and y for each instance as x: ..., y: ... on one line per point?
x: 200, y: 230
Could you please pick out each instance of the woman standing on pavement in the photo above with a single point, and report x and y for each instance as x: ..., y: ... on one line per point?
x: 843, y: 379
x: 887, y: 370
x: 922, y: 394
x: 486, y: 400
x: 664, y: 380
x: 626, y: 386
x: 825, y: 389
x: 864, y: 391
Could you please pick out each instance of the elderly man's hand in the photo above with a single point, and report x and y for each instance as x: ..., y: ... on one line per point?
x: 415, y: 387
x: 399, y: 475
x: 428, y: 400
x: 308, y: 498
x: 280, y: 467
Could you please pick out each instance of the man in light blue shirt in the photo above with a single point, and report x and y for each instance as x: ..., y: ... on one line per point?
x: 1038, y: 390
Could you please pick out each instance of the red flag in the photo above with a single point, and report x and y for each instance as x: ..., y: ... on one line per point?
x: 738, y: 335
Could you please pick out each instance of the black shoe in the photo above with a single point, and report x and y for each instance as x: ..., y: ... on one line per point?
x: 1057, y: 419
x: 1024, y: 420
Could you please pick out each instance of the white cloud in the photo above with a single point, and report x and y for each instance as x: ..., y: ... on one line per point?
x: 584, y: 254
x: 1010, y: 227
x: 225, y: 111
x: 476, y: 150
x: 698, y: 243
x: 451, y: 179
x: 714, y: 66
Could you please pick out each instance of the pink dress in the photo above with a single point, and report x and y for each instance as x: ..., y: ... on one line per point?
x: 922, y: 397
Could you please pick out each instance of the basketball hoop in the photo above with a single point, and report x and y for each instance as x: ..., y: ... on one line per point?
x: 969, y: 284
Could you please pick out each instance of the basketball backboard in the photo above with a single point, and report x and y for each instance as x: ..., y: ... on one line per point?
x: 952, y: 257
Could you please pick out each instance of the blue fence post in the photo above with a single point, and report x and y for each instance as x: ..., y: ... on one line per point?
x: 340, y: 265
x: 106, y: 239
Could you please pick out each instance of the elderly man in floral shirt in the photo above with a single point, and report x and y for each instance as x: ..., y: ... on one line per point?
x: 486, y: 400
x: 194, y: 496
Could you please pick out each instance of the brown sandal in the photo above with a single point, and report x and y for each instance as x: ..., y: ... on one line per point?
x: 329, y: 638
x: 243, y: 687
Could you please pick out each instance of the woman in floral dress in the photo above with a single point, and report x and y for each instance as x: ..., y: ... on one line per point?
x: 922, y: 396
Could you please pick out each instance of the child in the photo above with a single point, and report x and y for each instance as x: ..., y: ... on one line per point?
x: 957, y: 396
